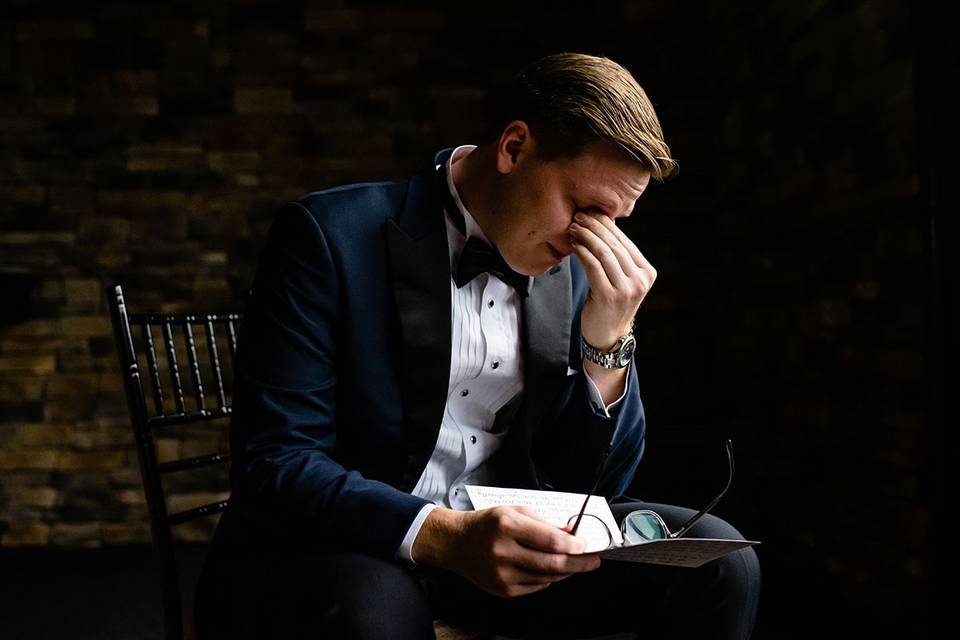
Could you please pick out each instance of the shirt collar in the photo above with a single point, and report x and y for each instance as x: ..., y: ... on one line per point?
x: 470, y: 225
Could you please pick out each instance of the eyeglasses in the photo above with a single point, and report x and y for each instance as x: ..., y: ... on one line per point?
x: 643, y: 525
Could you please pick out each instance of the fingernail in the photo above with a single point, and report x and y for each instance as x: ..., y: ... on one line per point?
x: 580, y: 217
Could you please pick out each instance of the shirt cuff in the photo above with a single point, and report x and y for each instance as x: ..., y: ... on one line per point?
x: 597, y: 400
x: 405, y: 552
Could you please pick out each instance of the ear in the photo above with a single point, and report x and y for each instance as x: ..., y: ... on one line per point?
x: 515, y: 142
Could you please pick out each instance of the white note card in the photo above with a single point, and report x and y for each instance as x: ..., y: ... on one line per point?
x: 557, y: 508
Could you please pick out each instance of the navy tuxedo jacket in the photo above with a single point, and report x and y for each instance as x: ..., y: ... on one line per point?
x: 343, y: 366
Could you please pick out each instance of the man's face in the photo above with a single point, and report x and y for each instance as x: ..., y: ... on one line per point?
x: 540, y: 199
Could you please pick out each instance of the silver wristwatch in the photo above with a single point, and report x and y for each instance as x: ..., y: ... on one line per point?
x: 617, y: 358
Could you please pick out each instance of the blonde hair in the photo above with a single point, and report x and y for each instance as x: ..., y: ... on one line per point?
x: 570, y: 100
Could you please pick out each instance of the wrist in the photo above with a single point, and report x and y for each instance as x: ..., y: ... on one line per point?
x: 433, y: 543
x: 616, y: 356
x: 607, y: 339
x: 600, y: 373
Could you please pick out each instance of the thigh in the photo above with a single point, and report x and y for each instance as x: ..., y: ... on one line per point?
x: 709, y: 526
x: 615, y: 598
x: 339, y: 594
x: 717, y: 599
x: 618, y: 597
x: 258, y: 588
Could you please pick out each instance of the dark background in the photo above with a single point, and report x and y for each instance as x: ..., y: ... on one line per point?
x: 803, y: 303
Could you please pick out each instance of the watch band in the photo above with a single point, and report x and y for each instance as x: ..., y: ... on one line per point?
x: 617, y: 358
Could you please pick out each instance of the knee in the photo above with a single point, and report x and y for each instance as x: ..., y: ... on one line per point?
x: 371, y: 598
x: 735, y: 579
x: 739, y: 570
x: 376, y: 585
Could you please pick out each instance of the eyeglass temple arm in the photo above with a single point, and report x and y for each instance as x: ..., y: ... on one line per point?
x: 596, y: 483
x: 692, y: 521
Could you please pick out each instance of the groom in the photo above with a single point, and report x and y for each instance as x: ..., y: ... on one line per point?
x: 470, y: 325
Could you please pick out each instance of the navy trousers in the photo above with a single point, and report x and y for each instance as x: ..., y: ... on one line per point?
x: 287, y: 594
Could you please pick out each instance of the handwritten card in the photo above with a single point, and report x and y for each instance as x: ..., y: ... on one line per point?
x: 558, y: 508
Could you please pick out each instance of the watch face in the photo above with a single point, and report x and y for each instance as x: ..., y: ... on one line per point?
x: 626, y: 351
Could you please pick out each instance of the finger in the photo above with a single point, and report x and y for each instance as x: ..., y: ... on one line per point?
x: 523, y: 589
x: 615, y: 242
x: 635, y: 252
x: 596, y: 274
x: 527, y: 511
x: 548, y: 541
x: 553, y: 564
x: 604, y: 253
x: 521, y: 575
x: 541, y: 536
x: 643, y: 274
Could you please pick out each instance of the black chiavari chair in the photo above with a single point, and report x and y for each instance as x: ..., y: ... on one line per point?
x: 151, y: 347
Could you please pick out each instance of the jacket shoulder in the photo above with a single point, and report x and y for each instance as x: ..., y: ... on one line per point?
x: 352, y: 205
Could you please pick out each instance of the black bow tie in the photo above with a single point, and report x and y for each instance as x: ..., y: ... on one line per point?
x: 479, y: 257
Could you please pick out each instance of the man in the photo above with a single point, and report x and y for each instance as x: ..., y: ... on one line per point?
x: 405, y: 339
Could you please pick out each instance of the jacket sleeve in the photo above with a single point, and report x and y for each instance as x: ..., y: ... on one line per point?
x: 570, y: 452
x: 577, y: 442
x: 285, y: 474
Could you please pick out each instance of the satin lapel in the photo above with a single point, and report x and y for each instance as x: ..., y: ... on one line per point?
x: 547, y: 316
x: 420, y: 271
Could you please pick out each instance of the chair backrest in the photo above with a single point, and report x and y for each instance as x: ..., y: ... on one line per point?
x: 177, y: 370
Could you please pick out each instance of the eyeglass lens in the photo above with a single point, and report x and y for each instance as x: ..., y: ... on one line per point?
x: 643, y: 526
x: 594, y: 530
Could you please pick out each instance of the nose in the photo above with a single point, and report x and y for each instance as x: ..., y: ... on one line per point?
x: 625, y: 212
